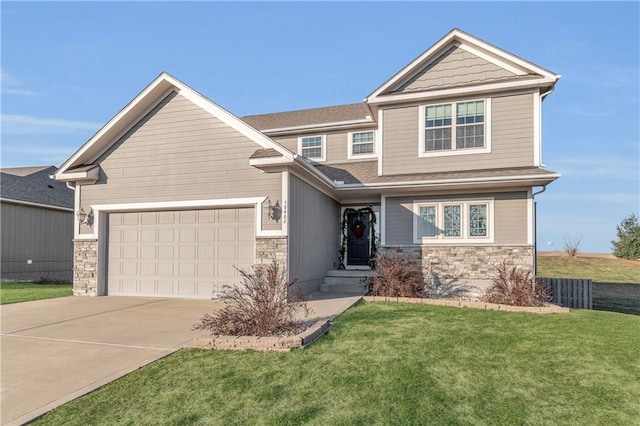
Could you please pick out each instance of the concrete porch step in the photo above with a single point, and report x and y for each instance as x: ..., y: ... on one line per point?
x: 344, y: 281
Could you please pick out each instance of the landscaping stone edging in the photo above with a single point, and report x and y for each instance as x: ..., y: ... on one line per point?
x: 548, y: 309
x: 266, y: 344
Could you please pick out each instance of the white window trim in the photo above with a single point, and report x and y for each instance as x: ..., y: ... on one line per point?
x: 351, y: 155
x: 324, y: 147
x: 465, y: 238
x: 453, y: 151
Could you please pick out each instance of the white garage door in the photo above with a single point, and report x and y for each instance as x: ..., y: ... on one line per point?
x: 178, y: 253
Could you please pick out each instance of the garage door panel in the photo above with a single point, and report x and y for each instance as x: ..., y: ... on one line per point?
x: 207, y: 216
x: 206, y: 252
x: 206, y: 235
x: 148, y: 236
x: 165, y: 252
x: 187, y: 235
x: 187, y: 270
x: 165, y: 235
x: 129, y: 252
x: 187, y: 252
x: 148, y: 218
x: 179, y: 253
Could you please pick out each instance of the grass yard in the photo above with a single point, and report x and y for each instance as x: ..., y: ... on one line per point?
x: 599, y: 269
x: 24, y: 292
x: 616, y: 282
x: 387, y: 363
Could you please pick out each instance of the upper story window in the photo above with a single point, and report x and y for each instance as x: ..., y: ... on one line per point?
x: 312, y: 147
x: 453, y: 221
x: 361, y: 144
x: 455, y: 128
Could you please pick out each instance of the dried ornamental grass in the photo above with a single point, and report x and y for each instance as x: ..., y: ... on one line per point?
x: 259, y: 306
x: 517, y: 287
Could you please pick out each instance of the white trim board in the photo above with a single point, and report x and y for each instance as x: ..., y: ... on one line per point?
x: 256, y: 202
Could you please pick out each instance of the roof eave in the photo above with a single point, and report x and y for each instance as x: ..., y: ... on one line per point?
x: 497, y: 181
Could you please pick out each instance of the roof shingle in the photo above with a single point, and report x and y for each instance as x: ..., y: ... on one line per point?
x: 33, y: 185
x: 304, y: 117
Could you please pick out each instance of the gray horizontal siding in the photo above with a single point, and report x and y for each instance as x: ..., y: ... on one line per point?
x: 511, y: 140
x: 314, y: 233
x: 180, y: 152
x: 510, y: 217
x: 41, y: 235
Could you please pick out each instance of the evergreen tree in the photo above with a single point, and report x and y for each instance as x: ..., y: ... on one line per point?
x: 627, y: 246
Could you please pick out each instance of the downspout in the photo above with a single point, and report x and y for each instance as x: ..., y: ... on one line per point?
x: 542, y: 96
x: 535, y: 230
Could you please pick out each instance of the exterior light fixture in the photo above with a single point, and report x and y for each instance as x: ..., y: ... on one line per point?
x: 274, y: 210
x: 84, y: 217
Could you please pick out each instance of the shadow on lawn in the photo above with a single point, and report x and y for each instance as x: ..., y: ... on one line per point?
x: 617, y: 297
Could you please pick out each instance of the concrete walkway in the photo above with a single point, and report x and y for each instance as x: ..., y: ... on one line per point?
x: 56, y: 350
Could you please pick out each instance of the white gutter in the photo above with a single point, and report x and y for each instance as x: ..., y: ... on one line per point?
x: 441, y: 182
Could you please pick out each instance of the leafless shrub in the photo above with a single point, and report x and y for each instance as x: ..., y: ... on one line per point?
x: 396, y: 275
x: 258, y: 306
x: 517, y: 287
x: 571, y: 245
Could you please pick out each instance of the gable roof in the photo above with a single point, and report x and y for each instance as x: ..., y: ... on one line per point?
x: 313, y: 117
x: 519, y: 72
x: 144, y: 102
x: 33, y: 185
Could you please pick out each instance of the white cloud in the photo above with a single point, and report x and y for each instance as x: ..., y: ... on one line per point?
x: 13, y: 86
x: 26, y: 124
x: 609, y: 167
x: 609, y: 198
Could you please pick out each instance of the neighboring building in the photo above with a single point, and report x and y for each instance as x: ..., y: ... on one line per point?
x: 37, y: 225
x: 440, y: 160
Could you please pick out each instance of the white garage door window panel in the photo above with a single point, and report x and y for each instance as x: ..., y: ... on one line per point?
x: 188, y: 253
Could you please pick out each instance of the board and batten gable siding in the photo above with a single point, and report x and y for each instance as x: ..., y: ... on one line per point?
x: 180, y: 152
x: 510, y: 217
x: 454, y: 68
x: 314, y: 234
x: 41, y: 235
x: 512, y: 140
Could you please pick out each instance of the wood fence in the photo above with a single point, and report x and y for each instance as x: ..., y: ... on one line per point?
x: 570, y: 292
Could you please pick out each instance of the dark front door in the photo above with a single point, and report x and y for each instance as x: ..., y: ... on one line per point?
x: 358, y: 233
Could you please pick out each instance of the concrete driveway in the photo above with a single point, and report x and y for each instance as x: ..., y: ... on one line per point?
x: 58, y: 349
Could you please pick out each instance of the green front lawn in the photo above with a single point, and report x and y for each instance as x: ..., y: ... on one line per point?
x: 386, y: 363
x: 25, y: 292
x: 598, y: 269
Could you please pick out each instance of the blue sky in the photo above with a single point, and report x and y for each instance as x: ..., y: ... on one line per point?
x: 67, y: 68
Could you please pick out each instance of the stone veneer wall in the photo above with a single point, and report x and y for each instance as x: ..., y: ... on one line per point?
x: 270, y: 248
x: 468, y: 265
x: 85, y: 262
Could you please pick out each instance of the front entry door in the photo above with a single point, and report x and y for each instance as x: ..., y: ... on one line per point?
x: 358, y: 233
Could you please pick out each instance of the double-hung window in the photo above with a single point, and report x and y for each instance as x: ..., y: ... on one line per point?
x: 312, y: 147
x: 361, y: 144
x: 455, y: 128
x: 453, y: 221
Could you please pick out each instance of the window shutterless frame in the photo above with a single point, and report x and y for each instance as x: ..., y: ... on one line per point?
x: 453, y: 128
x: 454, y: 221
x: 313, y: 147
x: 361, y: 144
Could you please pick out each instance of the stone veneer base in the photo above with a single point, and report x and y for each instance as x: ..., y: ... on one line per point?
x: 85, y: 263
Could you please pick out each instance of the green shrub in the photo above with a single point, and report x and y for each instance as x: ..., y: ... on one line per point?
x: 627, y: 246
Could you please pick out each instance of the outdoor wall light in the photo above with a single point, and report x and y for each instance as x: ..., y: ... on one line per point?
x: 84, y: 217
x: 274, y: 210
